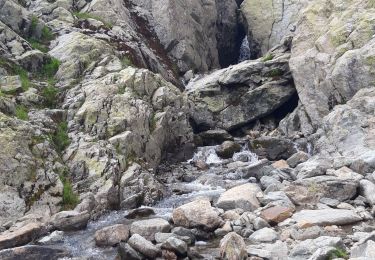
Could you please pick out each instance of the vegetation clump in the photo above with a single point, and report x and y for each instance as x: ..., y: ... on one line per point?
x: 22, y: 112
x: 50, y: 96
x: 61, y: 138
x: 69, y: 197
x: 49, y: 69
x: 46, y: 35
x: 268, y: 57
x: 85, y: 16
x: 338, y: 253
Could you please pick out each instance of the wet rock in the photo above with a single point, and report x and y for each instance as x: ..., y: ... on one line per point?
x: 143, y: 246
x: 244, y: 197
x: 368, y: 191
x: 277, y: 198
x: 20, y: 236
x: 162, y: 237
x: 297, y: 158
x: 140, y: 213
x: 264, y: 235
x: 214, y: 137
x: 232, y: 247
x: 31, y: 252
x: 273, y: 148
x: 277, y: 214
x: 149, y: 227
x: 176, y: 245
x: 126, y: 252
x: 184, y: 232
x: 70, y: 220
x: 199, y: 214
x: 55, y: 236
x: 227, y: 149
x: 112, y: 235
x: 325, y: 217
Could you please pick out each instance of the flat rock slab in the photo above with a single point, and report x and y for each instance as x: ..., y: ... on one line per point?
x: 243, y: 196
x: 20, y: 236
x: 112, y: 235
x: 326, y: 217
x: 33, y: 252
x: 70, y: 220
x: 143, y: 246
x: 149, y: 227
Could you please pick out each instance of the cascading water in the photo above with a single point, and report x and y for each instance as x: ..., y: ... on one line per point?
x: 245, y: 155
x: 244, y: 50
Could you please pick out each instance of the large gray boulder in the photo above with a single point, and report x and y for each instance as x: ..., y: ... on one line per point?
x: 149, y: 227
x: 326, y: 217
x: 243, y: 197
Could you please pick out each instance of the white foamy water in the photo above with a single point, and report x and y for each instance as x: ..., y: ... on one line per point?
x: 244, y: 50
x: 245, y: 155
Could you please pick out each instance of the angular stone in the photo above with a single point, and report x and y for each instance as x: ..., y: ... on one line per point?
x: 126, y: 252
x: 243, y: 196
x: 367, y: 189
x: 32, y: 252
x: 227, y: 149
x: 364, y: 251
x: 277, y: 214
x: 143, y: 246
x: 149, y: 227
x: 297, y: 158
x: 112, y: 235
x: 197, y: 214
x: 70, y: 220
x: 325, y: 217
x: 280, y: 164
x: 176, y: 245
x: 20, y: 236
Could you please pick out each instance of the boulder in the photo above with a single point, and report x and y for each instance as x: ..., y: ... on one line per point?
x: 149, y: 227
x: 176, y: 245
x: 277, y: 250
x: 11, y: 85
x: 126, y: 252
x: 232, y: 246
x: 363, y: 251
x: 273, y: 148
x: 227, y: 149
x: 197, y: 214
x: 143, y: 246
x: 70, y: 220
x: 306, y: 248
x: 243, y: 196
x: 55, y: 236
x: 325, y: 217
x: 20, y: 236
x: 140, y: 213
x: 297, y: 158
x: 112, y: 235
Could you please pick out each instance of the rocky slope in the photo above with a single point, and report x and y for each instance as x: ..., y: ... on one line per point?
x: 102, y: 101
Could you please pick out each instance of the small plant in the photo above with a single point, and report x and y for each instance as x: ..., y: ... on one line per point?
x: 153, y: 122
x: 268, y: 57
x: 22, y: 112
x: 49, y: 69
x: 69, y: 197
x: 25, y: 82
x: 126, y: 62
x: 35, y: 44
x: 1, y: 93
x: 338, y: 253
x: 275, y: 73
x: 91, y: 16
x: 34, y: 23
x: 61, y: 138
x: 47, y: 34
x: 50, y: 96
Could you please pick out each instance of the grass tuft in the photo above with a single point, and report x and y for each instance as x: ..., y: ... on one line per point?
x: 268, y: 57
x: 126, y: 62
x: 69, y: 198
x: 49, y: 69
x: 22, y: 112
x: 50, y: 96
x: 338, y: 253
x: 92, y: 16
x: 61, y: 138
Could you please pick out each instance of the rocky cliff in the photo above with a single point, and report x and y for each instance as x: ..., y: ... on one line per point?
x: 102, y: 102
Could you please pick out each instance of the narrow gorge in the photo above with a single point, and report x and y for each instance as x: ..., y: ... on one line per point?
x: 181, y: 129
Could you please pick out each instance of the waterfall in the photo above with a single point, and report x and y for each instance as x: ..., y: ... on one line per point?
x: 244, y: 50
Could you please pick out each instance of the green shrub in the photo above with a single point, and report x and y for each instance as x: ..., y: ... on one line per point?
x: 50, y: 96
x: 268, y: 57
x: 69, y: 197
x: 47, y: 34
x: 275, y: 73
x: 338, y: 253
x: 88, y: 15
x: 25, y: 82
x: 22, y: 112
x: 34, y: 23
x: 49, y: 69
x: 126, y: 62
x: 61, y: 138
x: 35, y: 44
